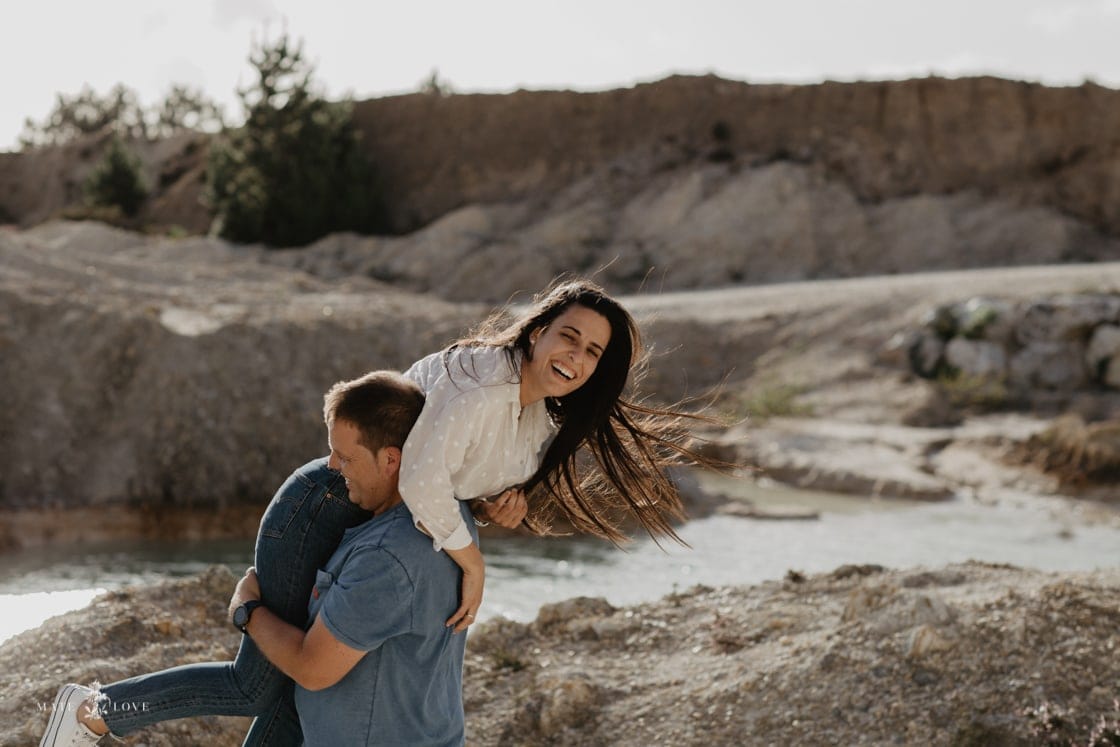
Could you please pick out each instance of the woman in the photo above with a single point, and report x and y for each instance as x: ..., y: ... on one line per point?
x: 509, y: 409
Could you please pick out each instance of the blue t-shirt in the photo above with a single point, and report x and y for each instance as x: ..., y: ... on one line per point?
x: 387, y: 592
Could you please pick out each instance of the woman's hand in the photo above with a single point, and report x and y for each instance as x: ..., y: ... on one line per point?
x: 469, y: 559
x: 507, y: 510
x: 470, y: 596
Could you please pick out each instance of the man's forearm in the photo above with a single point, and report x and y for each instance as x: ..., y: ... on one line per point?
x: 282, y: 644
x: 315, y: 659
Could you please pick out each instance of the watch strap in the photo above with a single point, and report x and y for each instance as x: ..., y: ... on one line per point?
x: 249, y: 606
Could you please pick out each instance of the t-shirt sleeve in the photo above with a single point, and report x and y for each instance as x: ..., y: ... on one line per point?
x: 370, y: 602
x: 437, y: 447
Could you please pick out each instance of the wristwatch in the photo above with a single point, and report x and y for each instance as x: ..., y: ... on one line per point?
x: 242, y: 614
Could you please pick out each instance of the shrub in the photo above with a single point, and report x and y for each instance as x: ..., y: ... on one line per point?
x: 1077, y: 452
x: 972, y: 391
x: 88, y: 112
x: 294, y: 171
x: 770, y: 399
x: 117, y: 180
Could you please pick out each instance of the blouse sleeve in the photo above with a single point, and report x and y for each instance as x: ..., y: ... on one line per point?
x: 436, y: 448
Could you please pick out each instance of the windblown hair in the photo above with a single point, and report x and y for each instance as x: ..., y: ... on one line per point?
x: 383, y: 405
x: 630, y: 445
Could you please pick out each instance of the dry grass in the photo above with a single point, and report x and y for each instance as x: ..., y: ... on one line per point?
x: 1078, y: 453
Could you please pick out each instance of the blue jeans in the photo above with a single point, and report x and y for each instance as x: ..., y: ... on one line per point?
x: 299, y: 532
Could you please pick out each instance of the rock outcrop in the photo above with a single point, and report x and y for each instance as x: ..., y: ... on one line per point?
x: 163, y: 374
x: 122, y: 634
x: 1044, y: 346
x: 689, y: 182
x: 965, y: 654
x: 1022, y: 142
x: 146, y: 378
x: 710, y: 225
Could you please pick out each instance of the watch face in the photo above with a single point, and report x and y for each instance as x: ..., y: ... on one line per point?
x: 240, y: 616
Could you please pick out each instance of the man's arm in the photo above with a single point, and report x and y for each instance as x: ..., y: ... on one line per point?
x: 315, y: 659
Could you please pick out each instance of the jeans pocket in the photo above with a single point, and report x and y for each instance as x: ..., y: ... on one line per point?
x: 285, y: 505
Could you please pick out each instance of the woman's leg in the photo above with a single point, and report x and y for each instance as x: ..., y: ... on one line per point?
x: 300, y: 530
x: 279, y: 726
x: 291, y: 583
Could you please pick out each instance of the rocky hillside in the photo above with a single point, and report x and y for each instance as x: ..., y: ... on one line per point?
x: 1022, y: 142
x: 155, y: 375
x: 691, y: 182
x: 162, y: 374
x: 968, y: 654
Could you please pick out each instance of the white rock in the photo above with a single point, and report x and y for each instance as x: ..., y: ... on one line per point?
x: 976, y: 357
x: 1050, y: 365
x: 986, y: 318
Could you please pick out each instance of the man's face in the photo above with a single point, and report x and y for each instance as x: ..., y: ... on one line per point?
x: 366, y: 480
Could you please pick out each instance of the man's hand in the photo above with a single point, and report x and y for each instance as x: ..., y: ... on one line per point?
x: 507, y: 510
x: 247, y: 588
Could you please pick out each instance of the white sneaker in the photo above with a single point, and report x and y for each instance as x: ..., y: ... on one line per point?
x: 64, y: 729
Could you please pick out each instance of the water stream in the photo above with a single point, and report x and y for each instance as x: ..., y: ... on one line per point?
x: 524, y: 573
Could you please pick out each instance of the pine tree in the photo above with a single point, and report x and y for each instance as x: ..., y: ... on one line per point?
x: 117, y: 180
x: 294, y: 171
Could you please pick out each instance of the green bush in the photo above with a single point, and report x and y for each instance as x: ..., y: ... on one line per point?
x: 294, y: 171
x: 88, y: 112
x: 117, y: 180
x: 774, y: 398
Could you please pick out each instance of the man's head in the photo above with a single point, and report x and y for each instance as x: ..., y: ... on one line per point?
x: 368, y: 420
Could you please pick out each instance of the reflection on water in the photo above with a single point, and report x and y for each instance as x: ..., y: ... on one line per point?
x: 111, y: 565
x: 524, y: 573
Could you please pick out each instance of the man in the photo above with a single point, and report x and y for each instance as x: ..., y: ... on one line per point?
x: 377, y: 664
x: 366, y: 644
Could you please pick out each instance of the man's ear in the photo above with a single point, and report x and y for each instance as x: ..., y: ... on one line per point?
x: 390, y: 458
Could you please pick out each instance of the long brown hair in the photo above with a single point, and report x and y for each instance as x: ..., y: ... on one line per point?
x: 630, y: 444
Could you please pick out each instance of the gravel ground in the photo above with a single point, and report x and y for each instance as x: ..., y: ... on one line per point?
x: 860, y: 656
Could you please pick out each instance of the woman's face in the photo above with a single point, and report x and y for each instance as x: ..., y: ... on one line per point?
x: 563, y: 355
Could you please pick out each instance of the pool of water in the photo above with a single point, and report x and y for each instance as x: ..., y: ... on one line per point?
x: 524, y: 573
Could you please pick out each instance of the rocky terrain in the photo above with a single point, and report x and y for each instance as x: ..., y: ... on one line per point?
x: 686, y: 183
x: 968, y: 654
x: 151, y: 380
x: 161, y: 386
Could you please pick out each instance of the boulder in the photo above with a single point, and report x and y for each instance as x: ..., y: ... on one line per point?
x: 986, y: 318
x: 1055, y: 366
x: 1065, y: 318
x: 926, y: 353
x: 976, y: 357
x: 1102, y: 355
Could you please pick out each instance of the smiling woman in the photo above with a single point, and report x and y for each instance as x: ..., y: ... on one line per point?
x: 568, y: 361
x: 563, y: 355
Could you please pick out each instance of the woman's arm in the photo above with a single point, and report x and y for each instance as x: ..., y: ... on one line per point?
x: 440, y: 443
x: 470, y: 560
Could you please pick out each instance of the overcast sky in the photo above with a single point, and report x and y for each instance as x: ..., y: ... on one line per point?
x: 369, y: 48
